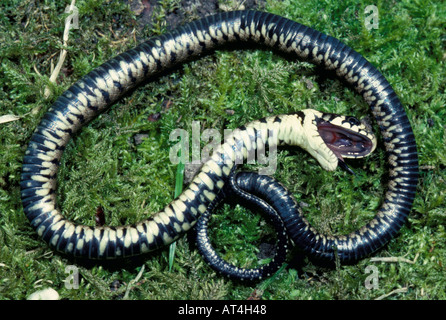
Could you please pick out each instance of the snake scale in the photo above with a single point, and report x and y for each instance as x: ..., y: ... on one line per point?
x: 103, y: 86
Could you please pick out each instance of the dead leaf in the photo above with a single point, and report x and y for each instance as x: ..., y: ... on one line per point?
x: 8, y: 118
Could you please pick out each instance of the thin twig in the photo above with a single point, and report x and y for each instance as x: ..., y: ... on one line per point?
x: 130, y: 285
x: 402, y: 290
x: 63, y: 52
x: 395, y: 259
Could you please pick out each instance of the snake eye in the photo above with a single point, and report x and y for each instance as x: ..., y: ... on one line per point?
x: 353, y: 121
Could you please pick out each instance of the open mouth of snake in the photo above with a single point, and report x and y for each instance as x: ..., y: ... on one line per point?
x: 343, y: 142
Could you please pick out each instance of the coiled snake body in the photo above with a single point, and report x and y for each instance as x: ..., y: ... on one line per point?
x: 329, y: 138
x: 103, y: 86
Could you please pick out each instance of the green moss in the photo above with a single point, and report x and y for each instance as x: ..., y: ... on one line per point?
x: 104, y: 166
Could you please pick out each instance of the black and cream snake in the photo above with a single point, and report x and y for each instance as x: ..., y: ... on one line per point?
x: 103, y: 86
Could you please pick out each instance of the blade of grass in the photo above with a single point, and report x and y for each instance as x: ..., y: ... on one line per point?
x: 178, y: 189
x: 262, y: 287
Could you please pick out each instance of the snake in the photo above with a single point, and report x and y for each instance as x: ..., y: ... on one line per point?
x: 95, y: 92
x: 338, y: 137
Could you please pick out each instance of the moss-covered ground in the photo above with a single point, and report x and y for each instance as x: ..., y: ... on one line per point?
x: 107, y: 164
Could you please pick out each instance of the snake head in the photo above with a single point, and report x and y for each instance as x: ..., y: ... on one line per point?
x: 346, y: 137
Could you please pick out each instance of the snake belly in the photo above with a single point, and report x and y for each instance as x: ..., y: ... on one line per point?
x: 103, y: 86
